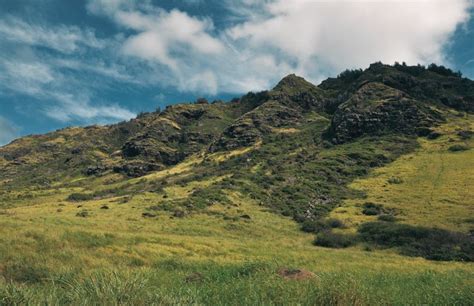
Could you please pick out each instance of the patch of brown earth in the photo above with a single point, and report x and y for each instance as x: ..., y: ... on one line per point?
x: 295, y: 274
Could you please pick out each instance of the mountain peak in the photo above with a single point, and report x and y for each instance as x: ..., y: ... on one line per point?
x: 291, y: 81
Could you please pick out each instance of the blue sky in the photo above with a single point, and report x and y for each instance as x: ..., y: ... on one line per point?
x: 80, y: 62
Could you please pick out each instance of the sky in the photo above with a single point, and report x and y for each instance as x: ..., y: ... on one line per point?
x: 82, y: 62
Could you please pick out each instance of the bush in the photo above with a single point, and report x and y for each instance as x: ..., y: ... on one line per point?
x: 316, y: 226
x: 333, y: 240
x: 430, y: 243
x: 465, y: 135
x: 335, y: 223
x: 433, y: 135
x: 78, y: 197
x: 83, y: 213
x: 25, y: 272
x: 387, y: 218
x: 394, y: 180
x: 458, y: 148
x: 372, y: 209
x: 313, y: 226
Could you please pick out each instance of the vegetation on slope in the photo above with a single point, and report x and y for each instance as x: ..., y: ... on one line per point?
x: 197, y: 203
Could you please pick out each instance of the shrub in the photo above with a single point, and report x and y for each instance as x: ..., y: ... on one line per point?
x: 394, y: 180
x: 464, y: 135
x: 313, y: 226
x: 387, y: 218
x: 334, y: 240
x: 25, y: 272
x: 335, y: 223
x: 430, y: 243
x: 433, y: 135
x: 372, y: 209
x: 83, y: 213
x: 78, y: 197
x: 458, y: 148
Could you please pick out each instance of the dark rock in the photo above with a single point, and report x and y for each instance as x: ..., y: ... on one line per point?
x: 465, y: 135
x: 83, y: 214
x: 137, y: 168
x: 95, y: 170
x: 195, y: 277
x: 179, y: 213
x: 434, y: 135
x: 148, y: 215
x: 458, y: 148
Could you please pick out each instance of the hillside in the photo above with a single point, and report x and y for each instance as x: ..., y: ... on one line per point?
x: 350, y: 192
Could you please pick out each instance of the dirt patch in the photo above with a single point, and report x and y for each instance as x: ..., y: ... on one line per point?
x: 295, y: 274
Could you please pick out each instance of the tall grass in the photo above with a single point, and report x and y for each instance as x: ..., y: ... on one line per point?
x: 253, y: 283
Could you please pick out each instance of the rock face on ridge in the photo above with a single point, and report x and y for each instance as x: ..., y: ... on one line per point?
x: 377, y: 109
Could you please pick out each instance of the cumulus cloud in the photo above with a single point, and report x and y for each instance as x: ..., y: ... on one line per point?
x: 8, y: 131
x: 268, y: 39
x: 188, y: 53
x: 337, y: 34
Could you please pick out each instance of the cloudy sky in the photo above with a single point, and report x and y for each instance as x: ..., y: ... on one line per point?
x: 79, y: 62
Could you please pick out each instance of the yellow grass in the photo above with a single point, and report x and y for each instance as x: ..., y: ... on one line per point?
x: 437, y: 185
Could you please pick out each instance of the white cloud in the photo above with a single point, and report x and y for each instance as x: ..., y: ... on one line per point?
x: 163, y: 36
x: 45, y: 76
x: 346, y: 34
x: 187, y: 52
x: 65, y: 39
x: 62, y: 97
x: 8, y: 131
x: 74, y: 107
x: 269, y: 39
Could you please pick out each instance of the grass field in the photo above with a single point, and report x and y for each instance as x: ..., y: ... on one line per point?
x: 106, y: 252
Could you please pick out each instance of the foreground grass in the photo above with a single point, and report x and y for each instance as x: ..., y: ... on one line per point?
x: 115, y: 256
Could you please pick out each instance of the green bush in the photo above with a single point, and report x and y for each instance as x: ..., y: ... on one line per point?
x: 335, y: 223
x: 83, y: 213
x: 313, y: 226
x: 430, y: 243
x: 458, y: 148
x: 25, y: 272
x: 394, y: 180
x: 334, y: 240
x: 372, y: 209
x: 387, y: 218
x: 78, y: 197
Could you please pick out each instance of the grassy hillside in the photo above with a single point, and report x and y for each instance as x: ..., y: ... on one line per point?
x: 357, y: 191
x: 431, y: 186
x: 232, y: 253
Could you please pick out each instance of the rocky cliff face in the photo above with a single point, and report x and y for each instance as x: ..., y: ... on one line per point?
x: 376, y: 109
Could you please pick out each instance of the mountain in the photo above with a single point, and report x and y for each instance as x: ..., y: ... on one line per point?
x: 378, y: 159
